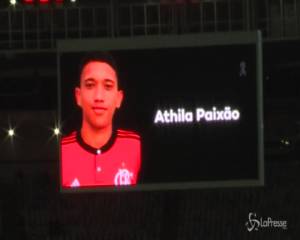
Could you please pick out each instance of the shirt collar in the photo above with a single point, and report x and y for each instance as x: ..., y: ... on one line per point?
x: 93, y: 150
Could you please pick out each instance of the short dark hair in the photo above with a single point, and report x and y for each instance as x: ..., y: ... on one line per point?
x: 105, y: 57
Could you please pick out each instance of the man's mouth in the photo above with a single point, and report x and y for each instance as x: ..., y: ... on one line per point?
x: 99, y: 110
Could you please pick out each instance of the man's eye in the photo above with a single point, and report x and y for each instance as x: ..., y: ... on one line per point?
x: 89, y: 85
x: 108, y: 86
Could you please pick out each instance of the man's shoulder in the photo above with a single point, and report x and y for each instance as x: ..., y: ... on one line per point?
x: 68, y: 139
x: 122, y: 133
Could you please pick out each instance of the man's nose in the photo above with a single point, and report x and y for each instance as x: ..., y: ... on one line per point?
x: 99, y: 94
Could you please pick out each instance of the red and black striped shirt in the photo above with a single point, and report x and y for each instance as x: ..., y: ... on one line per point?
x: 116, y: 163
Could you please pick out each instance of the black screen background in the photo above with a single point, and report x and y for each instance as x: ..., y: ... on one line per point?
x: 187, y: 78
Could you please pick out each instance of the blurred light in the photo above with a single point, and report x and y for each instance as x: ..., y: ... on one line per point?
x: 28, y: 1
x: 11, y: 132
x: 287, y: 142
x: 13, y: 2
x: 44, y: 1
x: 73, y: 1
x: 56, y: 131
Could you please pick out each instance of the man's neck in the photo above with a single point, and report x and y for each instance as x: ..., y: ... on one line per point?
x: 96, y: 138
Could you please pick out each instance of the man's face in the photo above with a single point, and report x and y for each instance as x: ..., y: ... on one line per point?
x: 98, y: 94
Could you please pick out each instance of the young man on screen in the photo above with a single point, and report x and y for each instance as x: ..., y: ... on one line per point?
x: 98, y: 154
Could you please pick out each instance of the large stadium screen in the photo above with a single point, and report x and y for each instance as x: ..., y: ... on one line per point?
x: 160, y: 113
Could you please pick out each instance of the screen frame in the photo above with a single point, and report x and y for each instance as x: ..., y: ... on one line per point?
x: 173, y: 41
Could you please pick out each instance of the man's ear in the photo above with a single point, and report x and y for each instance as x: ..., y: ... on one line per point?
x: 120, y: 98
x: 78, y: 96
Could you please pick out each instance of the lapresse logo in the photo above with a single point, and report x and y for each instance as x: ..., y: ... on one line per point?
x: 255, y: 223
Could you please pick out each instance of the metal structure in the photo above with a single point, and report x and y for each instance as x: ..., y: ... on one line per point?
x: 38, y: 27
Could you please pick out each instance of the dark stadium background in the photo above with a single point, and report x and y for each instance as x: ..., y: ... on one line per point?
x: 31, y: 206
